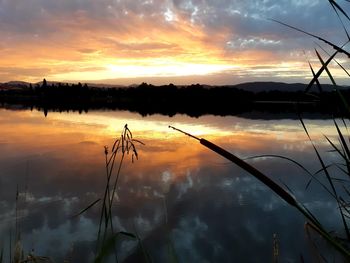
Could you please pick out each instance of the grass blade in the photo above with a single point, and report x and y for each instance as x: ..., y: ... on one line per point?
x: 146, y: 256
x: 336, y: 61
x: 273, y: 186
x: 336, y: 7
x: 325, y: 67
x: 328, y: 178
x: 87, y: 208
x: 319, y: 72
x: 313, y: 176
x: 252, y: 170
x: 337, y: 48
x: 344, y: 144
x: 316, y: 79
x: 345, y: 103
x: 335, y: 148
x: 334, y: 4
x: 280, y: 157
x: 109, y: 245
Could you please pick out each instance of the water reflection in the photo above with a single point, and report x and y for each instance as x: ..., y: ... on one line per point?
x: 215, y: 212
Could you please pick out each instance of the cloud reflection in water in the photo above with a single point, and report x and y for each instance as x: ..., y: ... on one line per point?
x: 216, y: 212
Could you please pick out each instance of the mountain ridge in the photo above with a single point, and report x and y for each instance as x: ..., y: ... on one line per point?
x: 256, y: 86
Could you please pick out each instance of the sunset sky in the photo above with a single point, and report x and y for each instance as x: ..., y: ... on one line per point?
x: 162, y: 41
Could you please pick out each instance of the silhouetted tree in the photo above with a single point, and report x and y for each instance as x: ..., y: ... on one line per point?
x: 44, y: 83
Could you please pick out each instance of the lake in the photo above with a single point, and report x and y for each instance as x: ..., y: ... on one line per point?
x: 181, y: 199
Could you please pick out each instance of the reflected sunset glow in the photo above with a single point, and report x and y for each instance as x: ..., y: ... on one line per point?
x: 100, y: 128
x: 57, y: 164
x: 99, y: 125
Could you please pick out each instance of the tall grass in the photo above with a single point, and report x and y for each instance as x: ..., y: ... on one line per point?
x: 342, y: 148
x: 281, y: 192
x: 107, y: 235
x: 336, y: 187
x: 15, y: 250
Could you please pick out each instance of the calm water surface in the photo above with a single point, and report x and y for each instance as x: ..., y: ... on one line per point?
x: 215, y: 211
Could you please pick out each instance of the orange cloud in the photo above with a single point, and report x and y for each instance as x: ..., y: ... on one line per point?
x: 131, y: 41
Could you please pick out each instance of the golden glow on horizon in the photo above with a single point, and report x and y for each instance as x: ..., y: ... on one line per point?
x: 119, y: 41
x: 83, y: 50
x: 155, y: 68
x: 167, y: 69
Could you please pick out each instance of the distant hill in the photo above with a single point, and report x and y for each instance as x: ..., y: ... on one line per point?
x: 277, y: 86
x: 255, y: 87
x: 26, y: 84
x: 14, y: 85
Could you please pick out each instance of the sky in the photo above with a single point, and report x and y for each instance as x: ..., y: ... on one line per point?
x: 162, y: 41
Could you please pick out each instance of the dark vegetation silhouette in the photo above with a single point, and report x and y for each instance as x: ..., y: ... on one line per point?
x: 194, y: 100
x: 197, y: 99
x: 336, y: 183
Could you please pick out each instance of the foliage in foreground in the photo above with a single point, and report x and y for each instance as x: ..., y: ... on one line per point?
x: 336, y: 187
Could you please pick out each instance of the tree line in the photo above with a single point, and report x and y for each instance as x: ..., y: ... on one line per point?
x: 194, y: 100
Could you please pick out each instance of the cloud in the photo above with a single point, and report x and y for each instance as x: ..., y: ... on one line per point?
x: 50, y: 35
